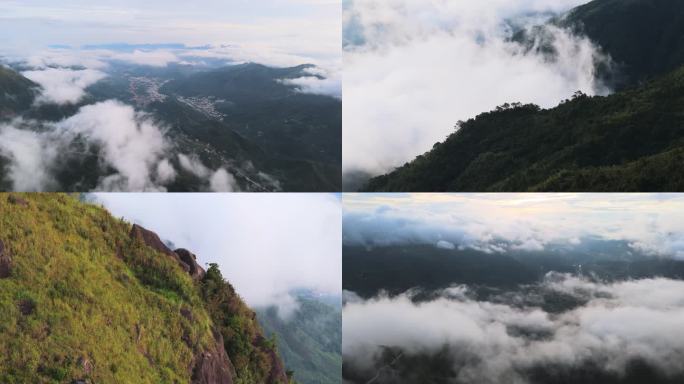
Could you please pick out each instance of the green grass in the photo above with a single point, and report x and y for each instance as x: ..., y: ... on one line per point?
x: 105, y: 307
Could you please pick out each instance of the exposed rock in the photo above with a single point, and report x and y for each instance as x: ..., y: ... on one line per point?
x: 16, y: 200
x: 153, y: 241
x: 5, y: 262
x: 190, y: 259
x: 278, y: 373
x: 26, y: 307
x: 213, y: 366
x: 86, y: 365
x: 187, y: 313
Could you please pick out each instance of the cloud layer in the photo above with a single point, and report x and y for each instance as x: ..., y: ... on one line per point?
x: 414, y: 68
x: 505, y: 222
x: 501, y: 342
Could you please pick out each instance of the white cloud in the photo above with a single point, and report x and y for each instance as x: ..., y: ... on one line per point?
x: 30, y: 159
x: 130, y: 142
x: 423, y: 65
x: 650, y: 224
x: 154, y: 58
x: 222, y: 181
x: 610, y: 329
x: 443, y: 244
x: 320, y: 82
x: 193, y: 165
x: 64, y: 86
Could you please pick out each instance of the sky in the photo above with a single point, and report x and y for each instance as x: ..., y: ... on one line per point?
x: 414, y: 68
x: 265, y: 244
x: 650, y: 223
x: 270, y: 30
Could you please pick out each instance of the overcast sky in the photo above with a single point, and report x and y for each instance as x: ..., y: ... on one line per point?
x: 305, y: 28
x: 265, y: 244
x: 651, y: 223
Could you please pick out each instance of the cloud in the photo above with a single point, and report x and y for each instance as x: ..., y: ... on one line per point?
x: 154, y: 58
x: 503, y: 342
x: 649, y: 224
x: 266, y: 244
x: 130, y: 142
x: 414, y: 68
x: 63, y: 86
x: 222, y: 181
x: 132, y: 149
x: 30, y: 159
x: 319, y: 82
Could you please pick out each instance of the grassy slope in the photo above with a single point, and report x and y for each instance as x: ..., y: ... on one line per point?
x: 106, y: 307
x: 585, y: 144
x: 309, y: 341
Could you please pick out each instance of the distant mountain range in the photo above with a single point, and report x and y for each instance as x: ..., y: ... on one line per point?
x: 632, y: 140
x: 397, y: 269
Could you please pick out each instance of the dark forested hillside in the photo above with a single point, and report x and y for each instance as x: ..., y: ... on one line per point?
x: 645, y: 38
x: 309, y: 340
x: 629, y: 141
x: 16, y: 93
x: 87, y: 298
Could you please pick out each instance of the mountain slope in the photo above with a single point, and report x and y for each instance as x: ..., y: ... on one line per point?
x: 244, y: 116
x: 584, y: 144
x: 84, y: 296
x: 16, y: 93
x: 309, y: 340
x: 396, y: 269
x: 645, y: 38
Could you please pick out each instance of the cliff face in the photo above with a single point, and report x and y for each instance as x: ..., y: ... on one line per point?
x: 87, y: 298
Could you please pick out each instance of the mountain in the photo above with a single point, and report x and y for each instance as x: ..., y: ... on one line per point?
x: 309, y: 339
x: 16, y: 93
x: 629, y: 141
x: 645, y: 38
x: 396, y: 269
x: 244, y: 118
x: 87, y: 298
x: 244, y: 115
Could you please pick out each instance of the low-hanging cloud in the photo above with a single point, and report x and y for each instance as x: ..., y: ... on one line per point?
x: 63, y: 86
x: 30, y: 158
x: 414, y: 68
x: 319, y: 81
x: 132, y: 149
x: 267, y: 245
x: 492, y: 342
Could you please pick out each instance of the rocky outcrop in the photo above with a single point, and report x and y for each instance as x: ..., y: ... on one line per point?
x: 153, y: 241
x: 278, y: 374
x: 190, y: 259
x: 213, y: 366
x: 5, y: 262
x: 16, y: 200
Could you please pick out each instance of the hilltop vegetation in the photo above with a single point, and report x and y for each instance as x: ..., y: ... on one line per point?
x: 86, y: 298
x: 643, y: 37
x: 629, y: 141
